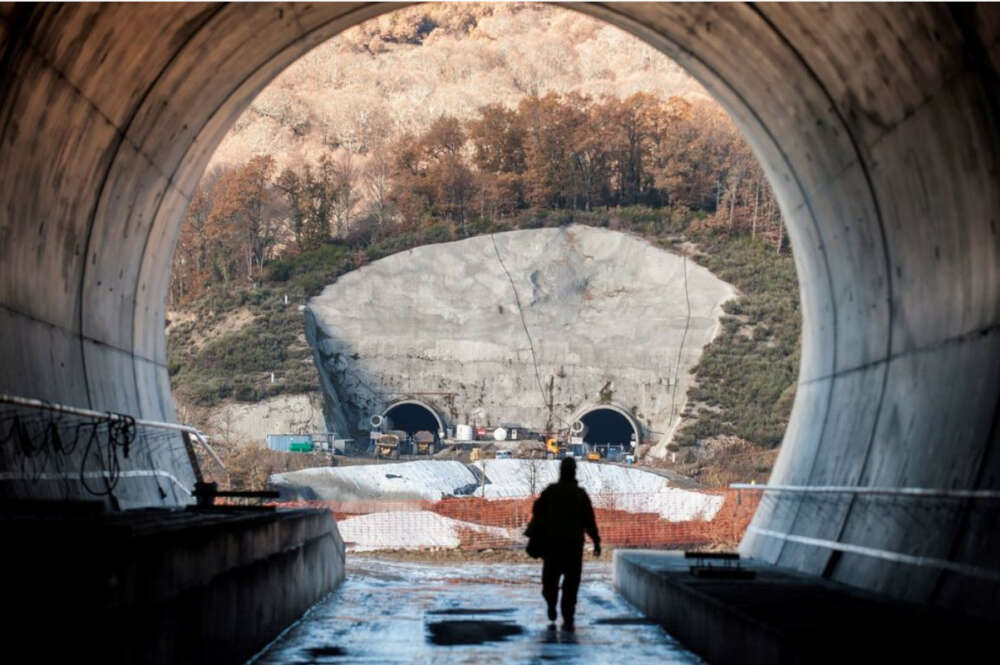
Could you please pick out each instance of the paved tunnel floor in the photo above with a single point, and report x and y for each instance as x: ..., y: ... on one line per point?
x: 402, y: 612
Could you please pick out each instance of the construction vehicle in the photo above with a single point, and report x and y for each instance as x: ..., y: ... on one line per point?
x: 479, y: 453
x: 554, y: 448
x: 387, y: 446
x: 425, y: 442
x: 593, y: 456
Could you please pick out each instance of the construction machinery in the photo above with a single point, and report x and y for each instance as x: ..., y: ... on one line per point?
x: 387, y: 446
x: 425, y: 442
x: 481, y: 453
x: 554, y: 447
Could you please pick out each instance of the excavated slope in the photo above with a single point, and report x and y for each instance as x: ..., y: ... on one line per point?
x: 527, y: 327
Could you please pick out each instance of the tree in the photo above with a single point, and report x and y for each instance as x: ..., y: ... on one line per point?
x: 549, y: 127
x: 308, y: 214
x: 191, y: 255
x: 243, y: 214
x: 497, y: 137
x: 377, y: 179
x: 339, y: 179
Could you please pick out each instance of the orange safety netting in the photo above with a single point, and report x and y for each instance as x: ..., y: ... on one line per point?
x: 623, y: 520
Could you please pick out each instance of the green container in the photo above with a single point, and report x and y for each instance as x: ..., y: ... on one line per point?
x: 301, y: 447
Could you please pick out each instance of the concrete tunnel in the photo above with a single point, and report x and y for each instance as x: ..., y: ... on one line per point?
x: 878, y: 126
x: 609, y: 425
x: 412, y: 415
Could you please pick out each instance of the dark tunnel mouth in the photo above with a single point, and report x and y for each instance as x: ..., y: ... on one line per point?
x: 607, y: 427
x: 411, y: 418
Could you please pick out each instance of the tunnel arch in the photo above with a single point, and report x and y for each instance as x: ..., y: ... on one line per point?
x: 876, y: 124
x: 583, y: 415
x: 415, y: 404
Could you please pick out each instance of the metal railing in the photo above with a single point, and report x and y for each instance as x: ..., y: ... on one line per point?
x: 921, y: 492
x: 874, y: 552
x: 99, y: 435
x: 110, y: 415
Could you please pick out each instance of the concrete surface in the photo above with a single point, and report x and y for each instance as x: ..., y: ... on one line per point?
x: 156, y: 586
x: 395, y: 612
x: 783, y: 616
x: 877, y: 126
x: 550, y: 323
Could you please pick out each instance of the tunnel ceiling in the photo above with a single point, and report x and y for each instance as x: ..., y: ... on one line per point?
x: 877, y: 125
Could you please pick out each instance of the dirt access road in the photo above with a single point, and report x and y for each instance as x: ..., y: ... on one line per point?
x: 390, y: 611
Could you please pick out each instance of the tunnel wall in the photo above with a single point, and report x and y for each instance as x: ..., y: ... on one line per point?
x: 877, y: 125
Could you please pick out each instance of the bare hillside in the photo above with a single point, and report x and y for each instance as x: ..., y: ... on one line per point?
x: 399, y: 72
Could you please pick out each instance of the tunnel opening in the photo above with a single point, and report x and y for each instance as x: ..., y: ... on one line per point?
x: 412, y: 418
x: 744, y: 198
x: 867, y: 330
x: 606, y: 429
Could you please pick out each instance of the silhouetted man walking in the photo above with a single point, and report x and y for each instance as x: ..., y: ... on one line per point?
x: 563, y: 513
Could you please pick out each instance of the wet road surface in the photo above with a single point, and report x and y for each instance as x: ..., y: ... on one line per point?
x: 404, y: 612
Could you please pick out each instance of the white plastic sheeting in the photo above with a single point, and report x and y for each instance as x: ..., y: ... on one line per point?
x: 610, y: 486
x: 411, y: 530
x: 423, y: 479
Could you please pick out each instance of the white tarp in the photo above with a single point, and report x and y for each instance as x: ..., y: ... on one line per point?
x: 411, y: 530
x: 423, y: 479
x: 610, y: 486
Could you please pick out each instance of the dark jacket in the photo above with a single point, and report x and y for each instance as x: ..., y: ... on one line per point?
x: 565, y: 513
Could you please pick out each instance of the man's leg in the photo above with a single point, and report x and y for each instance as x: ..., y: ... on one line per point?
x: 550, y: 584
x: 572, y: 570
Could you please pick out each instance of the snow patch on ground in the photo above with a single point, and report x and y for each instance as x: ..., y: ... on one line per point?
x: 411, y: 530
x: 419, y: 480
x: 615, y: 487
x: 609, y: 486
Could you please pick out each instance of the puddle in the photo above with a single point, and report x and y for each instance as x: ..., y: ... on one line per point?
x: 448, y: 633
x: 465, y: 610
x: 324, y: 652
x: 624, y: 621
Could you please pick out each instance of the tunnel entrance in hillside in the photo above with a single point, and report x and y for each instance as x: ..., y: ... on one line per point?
x: 412, y: 418
x: 609, y: 431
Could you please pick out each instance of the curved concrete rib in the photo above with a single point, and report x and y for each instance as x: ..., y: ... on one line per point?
x: 877, y: 124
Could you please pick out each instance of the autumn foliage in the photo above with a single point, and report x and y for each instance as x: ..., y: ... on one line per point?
x: 557, y: 152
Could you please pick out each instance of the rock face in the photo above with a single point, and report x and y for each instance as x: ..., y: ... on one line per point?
x: 530, y: 327
x: 283, y: 414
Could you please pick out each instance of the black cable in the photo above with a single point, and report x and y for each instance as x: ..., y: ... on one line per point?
x: 680, y: 348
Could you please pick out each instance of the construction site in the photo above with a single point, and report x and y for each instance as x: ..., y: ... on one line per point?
x: 876, y: 538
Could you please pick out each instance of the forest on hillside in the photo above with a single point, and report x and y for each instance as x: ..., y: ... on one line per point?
x: 555, y: 153
x: 399, y: 72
